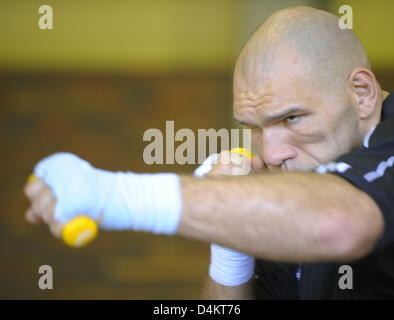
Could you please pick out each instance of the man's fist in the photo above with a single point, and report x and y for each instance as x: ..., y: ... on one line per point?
x: 71, y: 187
x: 59, y: 189
x: 231, y: 163
x: 42, y: 205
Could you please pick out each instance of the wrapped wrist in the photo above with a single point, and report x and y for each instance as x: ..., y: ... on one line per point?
x: 229, y: 267
x: 146, y: 202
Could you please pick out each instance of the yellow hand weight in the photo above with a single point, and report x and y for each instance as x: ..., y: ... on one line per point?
x: 244, y: 152
x: 79, y: 231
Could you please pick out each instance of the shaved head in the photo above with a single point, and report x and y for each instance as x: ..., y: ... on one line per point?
x: 305, y: 88
x: 315, y: 40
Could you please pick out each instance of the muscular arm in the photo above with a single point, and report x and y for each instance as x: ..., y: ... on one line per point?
x: 279, y: 216
x: 283, y: 216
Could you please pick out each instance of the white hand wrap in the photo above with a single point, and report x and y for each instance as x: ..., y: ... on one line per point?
x: 228, y: 267
x: 146, y: 202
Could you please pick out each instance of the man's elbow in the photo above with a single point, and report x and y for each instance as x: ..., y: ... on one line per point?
x: 353, y: 236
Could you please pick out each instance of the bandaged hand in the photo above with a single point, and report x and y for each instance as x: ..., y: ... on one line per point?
x: 68, y: 186
x: 227, y: 266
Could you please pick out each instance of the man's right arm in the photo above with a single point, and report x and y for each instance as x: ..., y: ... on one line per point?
x: 239, y: 264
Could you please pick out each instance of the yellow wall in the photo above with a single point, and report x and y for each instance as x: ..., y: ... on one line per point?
x: 373, y: 22
x: 119, y: 35
x: 158, y: 35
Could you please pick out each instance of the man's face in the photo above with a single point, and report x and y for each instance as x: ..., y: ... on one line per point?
x: 295, y: 124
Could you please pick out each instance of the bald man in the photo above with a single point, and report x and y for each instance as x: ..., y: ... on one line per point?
x: 305, y: 89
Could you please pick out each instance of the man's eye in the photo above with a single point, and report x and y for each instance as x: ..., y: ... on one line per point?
x: 292, y: 119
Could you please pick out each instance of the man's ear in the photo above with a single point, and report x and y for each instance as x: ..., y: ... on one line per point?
x: 364, y: 91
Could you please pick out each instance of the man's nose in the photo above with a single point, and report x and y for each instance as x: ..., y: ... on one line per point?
x: 275, y: 153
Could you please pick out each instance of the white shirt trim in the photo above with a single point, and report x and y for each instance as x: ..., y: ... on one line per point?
x: 332, y: 166
x: 379, y: 172
x: 367, y: 136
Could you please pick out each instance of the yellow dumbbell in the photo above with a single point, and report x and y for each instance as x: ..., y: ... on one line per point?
x: 244, y: 152
x: 79, y: 231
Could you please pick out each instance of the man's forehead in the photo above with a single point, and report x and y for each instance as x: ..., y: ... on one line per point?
x: 252, y: 92
x: 257, y: 81
x: 273, y: 91
x: 271, y: 102
x: 251, y: 79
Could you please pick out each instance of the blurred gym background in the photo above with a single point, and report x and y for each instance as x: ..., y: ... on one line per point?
x: 108, y: 71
